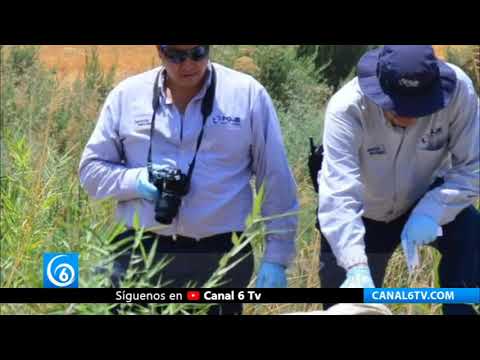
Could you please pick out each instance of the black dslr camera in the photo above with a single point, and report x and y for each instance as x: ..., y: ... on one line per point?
x: 172, y: 185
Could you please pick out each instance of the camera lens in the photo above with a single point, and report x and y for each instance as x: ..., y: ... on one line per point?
x: 167, y: 208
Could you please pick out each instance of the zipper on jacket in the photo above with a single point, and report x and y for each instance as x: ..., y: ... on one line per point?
x: 182, y: 117
x: 395, y: 170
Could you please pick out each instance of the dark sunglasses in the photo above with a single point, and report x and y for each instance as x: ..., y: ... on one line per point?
x: 179, y: 56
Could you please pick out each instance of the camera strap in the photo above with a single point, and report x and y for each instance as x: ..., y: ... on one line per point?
x: 207, y: 109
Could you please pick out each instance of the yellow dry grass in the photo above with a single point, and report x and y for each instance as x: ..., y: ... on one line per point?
x: 70, y: 59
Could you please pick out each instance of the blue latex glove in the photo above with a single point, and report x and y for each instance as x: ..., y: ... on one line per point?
x: 271, y: 276
x: 145, y: 188
x: 419, y: 230
x: 358, y: 277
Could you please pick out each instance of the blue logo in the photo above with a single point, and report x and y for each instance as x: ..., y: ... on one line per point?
x: 60, y: 270
x: 231, y: 121
x: 422, y: 295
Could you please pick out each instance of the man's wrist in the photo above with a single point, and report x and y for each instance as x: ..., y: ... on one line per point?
x: 357, y: 265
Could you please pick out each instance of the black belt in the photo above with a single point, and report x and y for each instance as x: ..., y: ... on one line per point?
x: 215, y: 243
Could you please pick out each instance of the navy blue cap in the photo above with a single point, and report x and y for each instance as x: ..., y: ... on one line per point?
x: 406, y: 79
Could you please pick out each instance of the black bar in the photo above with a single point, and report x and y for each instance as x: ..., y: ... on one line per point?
x: 107, y: 296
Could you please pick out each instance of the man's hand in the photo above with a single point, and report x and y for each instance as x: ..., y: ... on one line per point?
x: 358, y: 276
x: 419, y: 230
x: 271, y: 276
x: 145, y: 188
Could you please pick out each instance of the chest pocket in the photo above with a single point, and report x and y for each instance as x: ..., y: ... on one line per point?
x: 433, y: 140
x: 430, y: 158
x: 227, y: 139
x: 135, y: 134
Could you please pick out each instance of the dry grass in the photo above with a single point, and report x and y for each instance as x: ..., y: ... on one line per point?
x: 69, y: 60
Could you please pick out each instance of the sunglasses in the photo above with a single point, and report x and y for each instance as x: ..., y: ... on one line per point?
x: 179, y: 56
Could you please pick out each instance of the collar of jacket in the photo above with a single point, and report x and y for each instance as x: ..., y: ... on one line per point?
x: 200, y: 95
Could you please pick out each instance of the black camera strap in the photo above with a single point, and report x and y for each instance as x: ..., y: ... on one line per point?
x: 207, y: 109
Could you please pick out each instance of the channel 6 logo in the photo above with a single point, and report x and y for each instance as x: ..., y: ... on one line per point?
x: 60, y: 270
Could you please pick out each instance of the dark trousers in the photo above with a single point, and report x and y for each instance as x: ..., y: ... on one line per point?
x: 459, y: 247
x: 190, y: 262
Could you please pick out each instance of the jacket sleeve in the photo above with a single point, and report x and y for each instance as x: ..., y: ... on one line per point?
x: 102, y: 171
x: 341, y: 190
x: 462, y: 182
x: 270, y: 165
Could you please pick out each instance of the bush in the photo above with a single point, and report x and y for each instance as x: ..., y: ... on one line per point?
x: 45, y: 125
x: 463, y: 56
x: 288, y: 78
x: 21, y: 58
x: 94, y: 76
x: 339, y: 61
x: 298, y: 91
x: 225, y: 54
x: 295, y: 85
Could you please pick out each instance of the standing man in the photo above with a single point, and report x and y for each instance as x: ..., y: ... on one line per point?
x: 186, y: 166
x: 401, y: 164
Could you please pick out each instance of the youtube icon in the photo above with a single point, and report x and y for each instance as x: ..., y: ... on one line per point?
x: 193, y: 296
